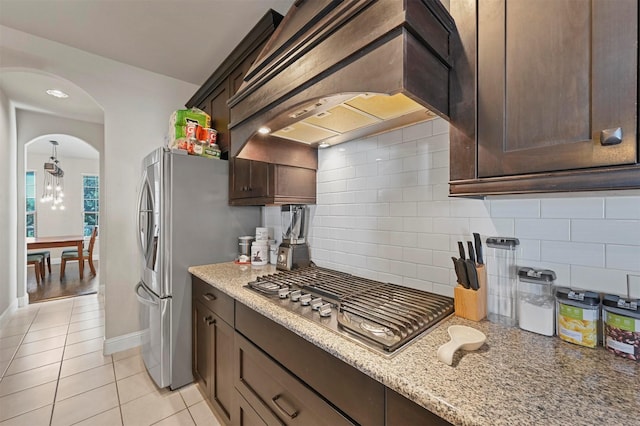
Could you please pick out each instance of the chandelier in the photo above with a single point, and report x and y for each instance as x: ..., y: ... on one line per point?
x: 53, y: 180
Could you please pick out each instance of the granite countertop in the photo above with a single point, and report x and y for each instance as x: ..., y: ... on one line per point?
x: 515, y: 378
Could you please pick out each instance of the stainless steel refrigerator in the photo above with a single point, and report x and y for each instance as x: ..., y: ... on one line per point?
x: 183, y: 219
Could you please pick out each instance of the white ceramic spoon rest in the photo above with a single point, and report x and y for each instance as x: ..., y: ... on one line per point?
x: 462, y: 337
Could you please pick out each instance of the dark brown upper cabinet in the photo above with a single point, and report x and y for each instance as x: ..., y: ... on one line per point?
x: 557, y: 91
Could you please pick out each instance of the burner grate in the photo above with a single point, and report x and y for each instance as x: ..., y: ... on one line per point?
x: 384, y: 315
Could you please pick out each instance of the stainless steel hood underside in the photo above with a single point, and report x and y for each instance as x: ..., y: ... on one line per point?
x: 337, y: 70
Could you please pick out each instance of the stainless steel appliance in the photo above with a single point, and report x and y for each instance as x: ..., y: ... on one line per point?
x: 382, y: 316
x: 183, y: 219
x: 293, y: 252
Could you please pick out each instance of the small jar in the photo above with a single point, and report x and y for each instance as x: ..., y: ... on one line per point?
x: 621, y: 319
x: 259, y: 253
x: 578, y: 316
x: 536, y: 307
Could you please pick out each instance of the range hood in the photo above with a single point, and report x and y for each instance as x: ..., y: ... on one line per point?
x: 338, y: 70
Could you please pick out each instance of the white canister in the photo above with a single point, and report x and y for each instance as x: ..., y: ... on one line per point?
x: 262, y: 234
x: 273, y: 252
x: 259, y: 253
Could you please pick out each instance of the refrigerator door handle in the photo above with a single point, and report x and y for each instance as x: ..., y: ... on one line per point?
x: 143, y: 188
x: 145, y: 300
x: 144, y: 235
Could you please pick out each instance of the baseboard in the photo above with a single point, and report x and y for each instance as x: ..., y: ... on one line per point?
x: 10, y: 309
x: 23, y: 301
x: 122, y: 343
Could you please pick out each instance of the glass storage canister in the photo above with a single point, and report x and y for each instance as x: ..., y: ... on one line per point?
x: 536, y: 302
x: 621, y: 318
x: 259, y: 253
x: 502, y: 280
x: 578, y: 316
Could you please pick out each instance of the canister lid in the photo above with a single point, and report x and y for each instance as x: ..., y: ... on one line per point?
x: 583, y: 296
x: 541, y: 276
x: 611, y: 300
x: 503, y: 243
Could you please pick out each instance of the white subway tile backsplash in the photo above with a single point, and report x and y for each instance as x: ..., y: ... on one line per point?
x: 390, y: 138
x: 434, y: 176
x: 418, y: 131
x: 622, y: 207
x: 417, y: 193
x: 417, y: 255
x: 440, y: 126
x: 544, y: 229
x: 390, y: 224
x: 634, y: 286
x: 418, y: 224
x: 391, y: 252
x: 577, y: 208
x: 384, y: 213
x: 403, y: 209
x: 586, y: 254
x: 403, y: 239
x: 599, y: 279
x: 515, y: 208
x: 623, y: 257
x: 434, y: 274
x: 433, y: 143
x: 434, y: 209
x: 389, y: 195
x: 606, y: 231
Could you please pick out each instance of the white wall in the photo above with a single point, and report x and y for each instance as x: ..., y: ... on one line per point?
x: 137, y: 105
x: 68, y: 221
x: 383, y: 212
x: 8, y: 207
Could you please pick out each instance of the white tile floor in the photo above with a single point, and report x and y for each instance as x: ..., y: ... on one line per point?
x: 53, y: 372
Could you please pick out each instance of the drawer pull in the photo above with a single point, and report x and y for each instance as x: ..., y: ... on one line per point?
x: 291, y: 413
x: 209, y: 297
x: 207, y: 319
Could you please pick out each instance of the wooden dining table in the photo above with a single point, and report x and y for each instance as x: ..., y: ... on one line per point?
x: 62, y: 241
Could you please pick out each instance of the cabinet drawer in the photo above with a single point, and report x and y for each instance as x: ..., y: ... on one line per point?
x: 220, y: 303
x: 273, y: 392
x: 357, y: 395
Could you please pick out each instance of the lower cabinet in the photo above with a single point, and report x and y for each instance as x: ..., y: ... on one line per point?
x: 256, y: 372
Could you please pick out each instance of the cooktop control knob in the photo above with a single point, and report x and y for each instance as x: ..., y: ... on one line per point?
x: 325, y: 310
x: 283, y: 293
x: 305, y: 299
x: 316, y: 303
x: 295, y: 295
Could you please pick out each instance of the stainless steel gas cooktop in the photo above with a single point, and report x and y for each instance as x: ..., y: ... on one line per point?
x: 379, y: 315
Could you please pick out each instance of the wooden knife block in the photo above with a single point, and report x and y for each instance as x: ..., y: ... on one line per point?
x: 472, y: 304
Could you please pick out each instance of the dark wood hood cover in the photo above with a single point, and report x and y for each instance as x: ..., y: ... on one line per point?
x: 327, y: 51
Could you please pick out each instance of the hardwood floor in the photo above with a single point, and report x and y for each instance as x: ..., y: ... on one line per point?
x: 52, y: 287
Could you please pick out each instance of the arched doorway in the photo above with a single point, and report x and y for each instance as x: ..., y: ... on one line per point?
x: 61, y: 203
x: 35, y: 114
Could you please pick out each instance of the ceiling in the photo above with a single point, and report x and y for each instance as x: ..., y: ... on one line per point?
x: 68, y: 147
x: 184, y: 39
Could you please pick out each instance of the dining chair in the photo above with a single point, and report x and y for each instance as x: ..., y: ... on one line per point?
x: 47, y: 258
x: 37, y: 260
x: 71, y: 255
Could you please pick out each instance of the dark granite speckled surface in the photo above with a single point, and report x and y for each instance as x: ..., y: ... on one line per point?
x: 516, y: 378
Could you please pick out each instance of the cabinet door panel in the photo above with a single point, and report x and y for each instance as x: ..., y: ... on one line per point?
x: 221, y: 366
x: 201, y: 343
x: 545, y: 91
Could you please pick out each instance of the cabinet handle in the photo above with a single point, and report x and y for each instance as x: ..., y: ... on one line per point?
x: 280, y: 408
x: 209, y: 297
x: 211, y: 321
x: 611, y: 136
x: 207, y: 319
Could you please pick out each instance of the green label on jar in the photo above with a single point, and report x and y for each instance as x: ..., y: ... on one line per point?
x: 622, y: 322
x: 571, y: 311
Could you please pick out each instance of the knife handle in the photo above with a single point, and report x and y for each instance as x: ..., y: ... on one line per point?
x: 461, y: 250
x: 472, y: 254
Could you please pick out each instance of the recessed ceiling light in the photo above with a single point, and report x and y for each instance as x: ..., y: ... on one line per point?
x: 57, y: 93
x: 324, y: 145
x: 264, y: 130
